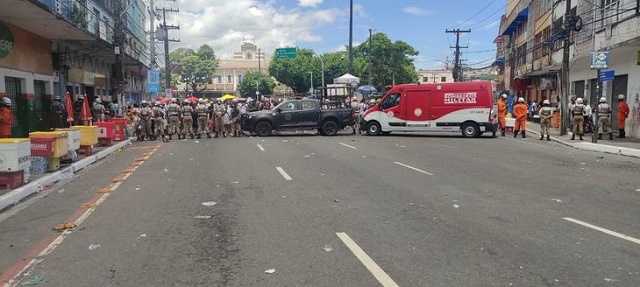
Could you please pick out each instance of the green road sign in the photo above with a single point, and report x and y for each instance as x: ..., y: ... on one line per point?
x: 286, y: 53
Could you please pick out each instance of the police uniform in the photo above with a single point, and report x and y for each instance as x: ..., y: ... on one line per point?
x: 98, y: 111
x: 203, y: 118
x: 578, y: 120
x: 604, y: 120
x: 187, y: 120
x: 145, y: 122
x: 57, y: 113
x: 545, y: 114
x: 157, y: 121
x: 174, y: 119
x: 218, y: 113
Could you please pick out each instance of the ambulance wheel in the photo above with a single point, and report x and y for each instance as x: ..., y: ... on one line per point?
x: 470, y: 130
x: 373, y: 129
x: 263, y: 129
x: 329, y: 128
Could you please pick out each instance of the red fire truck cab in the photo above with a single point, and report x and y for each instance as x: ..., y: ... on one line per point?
x: 445, y: 107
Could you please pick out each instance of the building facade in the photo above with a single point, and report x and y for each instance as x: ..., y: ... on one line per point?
x: 530, y: 50
x: 53, y: 47
x: 435, y: 76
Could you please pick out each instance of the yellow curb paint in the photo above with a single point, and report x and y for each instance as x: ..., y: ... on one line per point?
x: 105, y: 190
x: 88, y: 205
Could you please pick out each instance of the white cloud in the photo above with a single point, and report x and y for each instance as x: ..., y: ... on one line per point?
x: 224, y: 24
x: 415, y: 10
x: 309, y: 3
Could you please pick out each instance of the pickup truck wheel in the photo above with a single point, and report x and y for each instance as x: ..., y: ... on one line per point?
x: 373, y: 129
x: 385, y: 133
x: 263, y: 129
x: 329, y: 128
x: 470, y: 130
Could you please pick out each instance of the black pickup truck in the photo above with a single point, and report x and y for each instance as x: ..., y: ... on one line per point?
x: 298, y: 114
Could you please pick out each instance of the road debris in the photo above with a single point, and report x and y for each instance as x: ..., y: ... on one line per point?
x: 138, y: 188
x: 328, y: 248
x: 606, y: 191
x: 166, y: 170
x: 61, y: 190
x: 270, y: 271
x: 557, y: 200
x: 456, y: 206
x: 35, y: 281
x: 143, y: 235
x: 202, y: 216
x: 209, y: 203
x: 611, y: 280
x: 94, y: 246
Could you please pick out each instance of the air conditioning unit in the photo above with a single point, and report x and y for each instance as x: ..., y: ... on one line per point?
x: 536, y: 65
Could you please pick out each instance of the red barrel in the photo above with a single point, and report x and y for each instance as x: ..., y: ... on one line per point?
x: 119, y: 126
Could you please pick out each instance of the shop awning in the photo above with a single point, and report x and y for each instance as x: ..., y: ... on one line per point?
x: 499, y: 61
x: 517, y: 21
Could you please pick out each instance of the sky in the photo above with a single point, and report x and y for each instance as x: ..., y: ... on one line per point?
x: 323, y: 25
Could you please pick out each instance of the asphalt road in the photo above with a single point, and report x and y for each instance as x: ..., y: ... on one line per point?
x: 348, y: 210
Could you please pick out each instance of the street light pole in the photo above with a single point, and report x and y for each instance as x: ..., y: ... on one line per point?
x: 350, y: 69
x: 311, y: 72
x: 369, y: 52
x: 322, y: 70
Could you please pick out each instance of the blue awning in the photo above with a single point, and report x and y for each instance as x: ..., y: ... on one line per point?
x: 517, y: 21
x: 499, y: 60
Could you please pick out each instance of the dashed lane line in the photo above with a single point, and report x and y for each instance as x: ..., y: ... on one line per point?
x: 411, y: 167
x: 603, y: 230
x: 344, y: 144
x: 371, y: 265
x: 283, y: 173
x: 260, y: 147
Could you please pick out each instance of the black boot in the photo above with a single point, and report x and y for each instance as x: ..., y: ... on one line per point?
x: 515, y: 134
x: 191, y: 136
x: 208, y: 135
x: 548, y: 139
x: 524, y: 134
x: 502, y: 132
x: 581, y: 137
x: 622, y: 134
x: 199, y: 137
x: 600, y: 136
x: 610, y: 136
x: 573, y: 137
x: 171, y: 137
x: 216, y: 136
x: 541, y: 136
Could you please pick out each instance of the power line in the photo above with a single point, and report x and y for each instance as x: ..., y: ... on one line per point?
x: 476, y: 14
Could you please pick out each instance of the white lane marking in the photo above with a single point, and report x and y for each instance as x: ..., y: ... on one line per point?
x: 283, y: 173
x: 371, y: 265
x: 448, y: 146
x: 607, y: 231
x: 411, y: 167
x: 260, y: 147
x: 344, y: 144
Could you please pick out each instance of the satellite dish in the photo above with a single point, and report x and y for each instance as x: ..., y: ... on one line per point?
x: 577, y: 24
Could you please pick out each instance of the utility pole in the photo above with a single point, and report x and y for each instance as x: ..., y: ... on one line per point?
x: 165, y: 29
x: 370, y: 34
x: 457, y: 66
x: 259, y: 64
x: 564, y: 97
x: 350, y: 68
x: 152, y: 34
x: 118, y: 42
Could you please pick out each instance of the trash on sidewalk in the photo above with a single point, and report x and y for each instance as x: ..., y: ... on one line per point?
x: 35, y: 281
x: 557, y: 200
x: 202, y: 216
x: 606, y: 191
x: 94, y: 246
x: 209, y: 203
x: 143, y: 235
x: 270, y: 271
x: 328, y: 248
x: 456, y: 206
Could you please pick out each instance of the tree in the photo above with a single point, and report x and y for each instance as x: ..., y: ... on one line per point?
x: 295, y: 73
x: 390, y: 62
x: 195, y: 68
x: 247, y: 85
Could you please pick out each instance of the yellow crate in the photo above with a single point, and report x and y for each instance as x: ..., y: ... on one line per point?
x: 60, y: 145
x: 88, y: 135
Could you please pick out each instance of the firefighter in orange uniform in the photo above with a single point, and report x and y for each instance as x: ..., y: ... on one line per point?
x: 6, y: 117
x: 520, y: 112
x: 623, y: 113
x: 502, y: 112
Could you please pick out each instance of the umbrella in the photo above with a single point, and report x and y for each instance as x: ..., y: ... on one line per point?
x: 227, y: 97
x: 191, y: 99
x: 85, y: 113
x: 69, y: 107
x: 366, y: 89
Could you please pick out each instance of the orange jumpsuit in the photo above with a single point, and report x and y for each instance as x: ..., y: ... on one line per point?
x: 623, y: 113
x: 6, y: 117
x: 502, y: 112
x: 520, y: 112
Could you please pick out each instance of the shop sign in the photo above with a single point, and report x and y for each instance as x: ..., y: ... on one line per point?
x: 6, y: 41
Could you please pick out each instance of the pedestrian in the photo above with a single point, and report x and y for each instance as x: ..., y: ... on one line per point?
x: 604, y: 114
x: 569, y: 116
x: 545, y: 114
x: 58, y: 113
x: 6, y: 117
x: 218, y: 113
x: 174, y: 118
x: 520, y: 112
x: 588, y: 120
x: 145, y: 114
x: 77, y: 110
x: 502, y: 112
x: 203, y: 119
x: 130, y: 117
x: 234, y: 114
x: 623, y: 113
x: 97, y: 110
x: 361, y: 109
x: 226, y: 118
x: 578, y: 119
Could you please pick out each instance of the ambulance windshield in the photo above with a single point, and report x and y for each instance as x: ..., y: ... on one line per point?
x: 390, y: 101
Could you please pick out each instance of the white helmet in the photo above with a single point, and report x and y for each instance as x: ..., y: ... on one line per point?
x: 521, y: 100
x: 201, y: 101
x: 174, y: 100
x: 157, y: 103
x: 504, y: 96
x: 603, y: 100
x: 56, y: 98
x: 144, y: 103
x: 620, y: 97
x: 579, y: 101
x: 98, y: 100
x: 6, y: 101
x: 546, y: 102
x: 81, y: 97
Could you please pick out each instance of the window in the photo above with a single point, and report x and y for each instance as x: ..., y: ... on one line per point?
x: 557, y: 34
x: 609, y: 12
x: 219, y: 79
x: 309, y: 105
x: 290, y: 106
x: 425, y: 79
x: 443, y: 79
x: 390, y: 101
x: 229, y: 79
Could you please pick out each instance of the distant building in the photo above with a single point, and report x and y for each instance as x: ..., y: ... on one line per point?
x: 435, y: 76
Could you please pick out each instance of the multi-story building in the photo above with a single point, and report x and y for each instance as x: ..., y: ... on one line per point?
x: 530, y: 50
x: 435, y: 76
x: 51, y: 47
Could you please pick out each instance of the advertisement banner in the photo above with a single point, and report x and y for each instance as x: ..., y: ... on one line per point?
x: 153, y: 81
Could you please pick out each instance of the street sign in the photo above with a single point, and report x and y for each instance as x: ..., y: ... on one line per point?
x: 606, y: 76
x: 286, y: 53
x: 599, y: 60
x: 153, y: 81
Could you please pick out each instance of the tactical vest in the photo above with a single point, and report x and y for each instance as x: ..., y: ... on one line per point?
x: 546, y: 111
x: 157, y: 113
x: 97, y: 109
x: 578, y: 110
x: 145, y: 113
x: 187, y: 110
x: 604, y: 110
x: 201, y: 110
x: 174, y: 110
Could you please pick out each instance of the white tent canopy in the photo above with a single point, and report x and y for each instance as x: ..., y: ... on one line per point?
x: 347, y: 79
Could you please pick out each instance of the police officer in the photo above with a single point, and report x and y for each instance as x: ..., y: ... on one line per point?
x: 203, y: 119
x: 604, y: 115
x: 219, y: 110
x: 57, y: 113
x: 158, y: 130
x: 545, y: 114
x: 578, y: 119
x: 145, y: 121
x: 77, y: 109
x: 98, y: 110
x: 174, y: 118
x: 187, y: 120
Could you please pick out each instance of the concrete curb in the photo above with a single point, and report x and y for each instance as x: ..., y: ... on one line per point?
x: 15, y: 196
x: 552, y: 138
x: 623, y: 151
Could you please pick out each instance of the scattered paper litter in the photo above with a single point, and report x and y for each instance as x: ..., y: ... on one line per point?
x: 61, y: 190
x: 328, y: 248
x: 138, y: 188
x: 94, y: 246
x: 170, y: 153
x: 166, y: 170
x: 143, y: 235
x: 557, y: 200
x: 456, y: 206
x: 209, y: 203
x: 202, y: 217
x: 638, y: 190
x: 611, y: 280
x: 270, y: 271
x: 196, y: 141
x: 35, y: 281
x: 235, y: 182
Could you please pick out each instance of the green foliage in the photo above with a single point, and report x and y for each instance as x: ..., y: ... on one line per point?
x: 247, y: 86
x: 196, y: 69
x: 487, y: 77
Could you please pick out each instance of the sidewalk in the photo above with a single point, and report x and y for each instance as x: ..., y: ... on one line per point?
x: 42, y: 182
x: 626, y: 147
